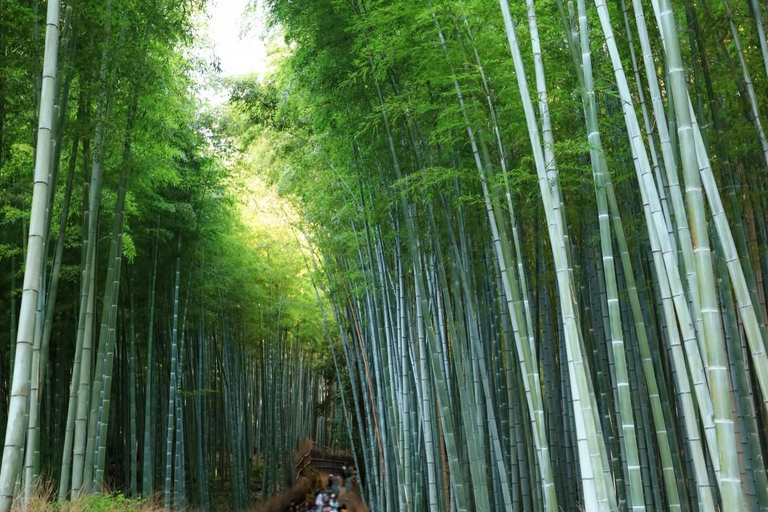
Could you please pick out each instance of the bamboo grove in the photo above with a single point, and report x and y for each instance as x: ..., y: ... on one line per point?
x: 157, y: 340
x: 541, y: 226
x: 523, y: 266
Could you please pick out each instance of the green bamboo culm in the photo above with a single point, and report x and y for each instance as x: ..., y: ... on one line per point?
x: 34, y: 267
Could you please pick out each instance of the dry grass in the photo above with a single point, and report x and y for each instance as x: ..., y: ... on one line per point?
x: 44, y: 500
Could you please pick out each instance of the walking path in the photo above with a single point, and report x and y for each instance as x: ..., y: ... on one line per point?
x: 314, y: 466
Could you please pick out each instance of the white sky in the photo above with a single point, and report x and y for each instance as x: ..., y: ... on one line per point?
x: 241, y: 51
x: 239, y: 40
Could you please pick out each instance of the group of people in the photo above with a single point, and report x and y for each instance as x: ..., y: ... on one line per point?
x: 350, y: 478
x: 327, y: 499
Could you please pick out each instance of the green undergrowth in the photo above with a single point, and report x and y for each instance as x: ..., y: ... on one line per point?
x: 46, y: 501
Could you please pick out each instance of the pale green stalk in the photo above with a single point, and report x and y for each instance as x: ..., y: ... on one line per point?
x: 762, y: 40
x: 717, y: 371
x: 173, y: 381
x: 751, y: 95
x: 17, y: 421
x: 83, y: 393
x: 147, y: 474
x: 589, y: 438
x: 669, y: 281
x: 600, y: 170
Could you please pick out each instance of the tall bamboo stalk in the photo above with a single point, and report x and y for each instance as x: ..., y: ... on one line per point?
x: 17, y: 422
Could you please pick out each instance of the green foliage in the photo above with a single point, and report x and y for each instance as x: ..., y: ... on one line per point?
x: 116, y: 502
x: 108, y: 502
